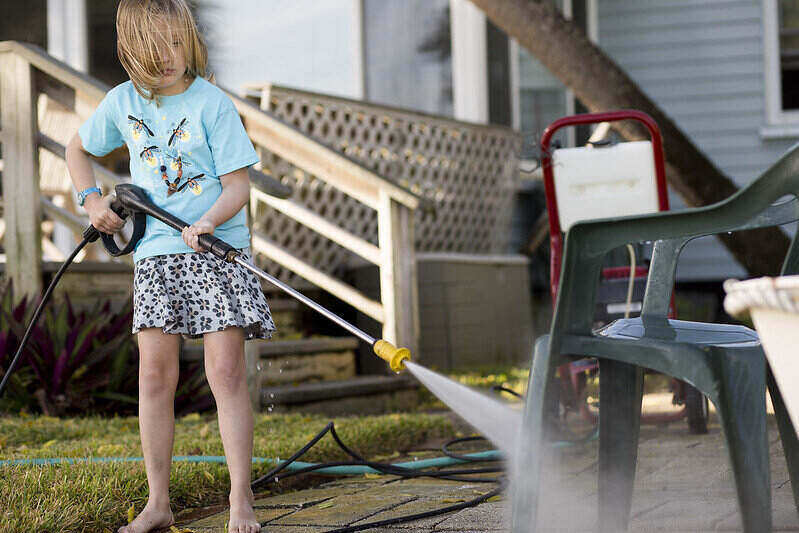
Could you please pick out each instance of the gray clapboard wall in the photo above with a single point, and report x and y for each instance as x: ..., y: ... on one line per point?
x: 702, y: 62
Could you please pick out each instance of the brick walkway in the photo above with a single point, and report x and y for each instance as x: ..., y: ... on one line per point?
x: 684, y: 483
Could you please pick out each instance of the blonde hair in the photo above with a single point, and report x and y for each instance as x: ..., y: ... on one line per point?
x: 141, y: 37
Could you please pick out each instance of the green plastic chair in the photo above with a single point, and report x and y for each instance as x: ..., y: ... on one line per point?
x: 725, y: 362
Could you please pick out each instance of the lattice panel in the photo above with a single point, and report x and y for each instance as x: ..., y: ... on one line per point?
x: 468, y: 171
x: 301, y: 241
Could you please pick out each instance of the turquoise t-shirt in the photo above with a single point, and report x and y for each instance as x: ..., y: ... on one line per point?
x: 178, y: 150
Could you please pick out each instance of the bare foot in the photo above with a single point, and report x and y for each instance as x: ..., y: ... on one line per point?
x: 242, y: 516
x: 149, y: 519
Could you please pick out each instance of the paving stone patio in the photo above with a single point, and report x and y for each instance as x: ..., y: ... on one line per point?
x: 684, y: 483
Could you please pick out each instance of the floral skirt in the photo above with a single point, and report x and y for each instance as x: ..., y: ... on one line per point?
x: 196, y: 293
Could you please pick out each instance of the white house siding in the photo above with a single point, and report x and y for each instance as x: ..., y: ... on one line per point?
x: 702, y: 62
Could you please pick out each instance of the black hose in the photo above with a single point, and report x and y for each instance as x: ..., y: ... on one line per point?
x: 419, y: 516
x: 448, y: 453
x: 271, y: 474
x: 89, y: 237
x: 502, y: 388
x: 385, y: 468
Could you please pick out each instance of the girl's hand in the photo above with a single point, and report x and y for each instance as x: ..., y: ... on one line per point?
x: 101, y: 215
x: 191, y: 234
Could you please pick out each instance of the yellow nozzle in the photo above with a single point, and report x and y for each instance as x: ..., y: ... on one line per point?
x: 395, y: 356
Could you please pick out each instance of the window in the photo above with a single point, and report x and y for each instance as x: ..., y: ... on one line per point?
x: 789, y: 54
x: 540, y: 98
x: 408, y: 54
x: 781, y: 54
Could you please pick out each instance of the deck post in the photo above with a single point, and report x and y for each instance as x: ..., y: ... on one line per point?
x: 22, y: 207
x: 398, y: 288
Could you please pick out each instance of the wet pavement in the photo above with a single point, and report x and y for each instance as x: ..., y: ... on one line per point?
x: 683, y: 483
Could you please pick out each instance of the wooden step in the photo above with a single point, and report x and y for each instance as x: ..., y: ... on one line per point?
x: 317, y: 375
x: 359, y: 395
x: 292, y: 362
x: 277, y: 303
x: 193, y: 348
x: 306, y: 346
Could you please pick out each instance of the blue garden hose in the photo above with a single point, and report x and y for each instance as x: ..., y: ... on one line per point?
x: 490, y: 455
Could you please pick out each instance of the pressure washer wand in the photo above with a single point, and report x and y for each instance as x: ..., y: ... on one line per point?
x: 133, y: 198
x: 307, y: 301
x: 384, y: 349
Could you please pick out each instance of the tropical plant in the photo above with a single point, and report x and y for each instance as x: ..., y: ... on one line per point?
x: 75, y: 354
x: 16, y: 396
x: 81, y: 361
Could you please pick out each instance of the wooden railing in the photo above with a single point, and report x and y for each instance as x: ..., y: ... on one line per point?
x: 394, y: 254
x: 27, y: 73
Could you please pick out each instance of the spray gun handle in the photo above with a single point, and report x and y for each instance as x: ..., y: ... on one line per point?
x: 92, y: 234
x: 118, y: 208
x: 217, y: 246
x: 135, y: 199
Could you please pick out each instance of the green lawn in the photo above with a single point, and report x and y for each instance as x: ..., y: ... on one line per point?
x: 96, y: 497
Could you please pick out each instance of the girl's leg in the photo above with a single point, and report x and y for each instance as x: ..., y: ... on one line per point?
x: 158, y: 378
x: 227, y: 377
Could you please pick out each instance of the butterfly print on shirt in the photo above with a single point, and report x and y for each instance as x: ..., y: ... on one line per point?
x: 180, y: 133
x: 195, y: 187
x: 148, y: 155
x: 178, y: 163
x: 137, y: 126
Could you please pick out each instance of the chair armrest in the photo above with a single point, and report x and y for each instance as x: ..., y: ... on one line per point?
x: 663, y: 267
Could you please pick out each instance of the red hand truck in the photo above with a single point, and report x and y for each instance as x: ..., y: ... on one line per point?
x: 599, y: 182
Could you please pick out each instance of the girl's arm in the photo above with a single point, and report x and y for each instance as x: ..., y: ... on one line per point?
x: 235, y: 195
x: 79, y: 165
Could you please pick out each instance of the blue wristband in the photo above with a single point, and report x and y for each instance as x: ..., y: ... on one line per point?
x: 86, y: 192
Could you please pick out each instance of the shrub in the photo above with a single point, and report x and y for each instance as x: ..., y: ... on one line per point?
x: 81, y: 361
x: 75, y: 355
x: 16, y: 396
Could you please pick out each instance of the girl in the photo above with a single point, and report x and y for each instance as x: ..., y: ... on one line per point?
x: 189, y: 150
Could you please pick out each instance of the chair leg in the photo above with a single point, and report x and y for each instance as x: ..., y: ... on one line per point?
x: 620, y: 395
x: 526, y: 472
x: 741, y: 406
x: 790, y: 444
